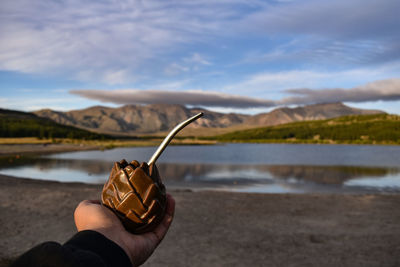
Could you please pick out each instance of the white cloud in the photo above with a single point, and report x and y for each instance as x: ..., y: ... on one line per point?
x: 120, y: 42
x: 115, y: 38
x: 197, y: 59
x: 116, y: 77
x: 170, y: 85
x: 341, y: 31
x: 192, y: 63
x: 34, y: 103
x: 355, y: 19
x: 135, y: 30
x: 175, y: 68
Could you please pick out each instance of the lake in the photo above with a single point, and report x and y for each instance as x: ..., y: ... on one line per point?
x: 262, y: 168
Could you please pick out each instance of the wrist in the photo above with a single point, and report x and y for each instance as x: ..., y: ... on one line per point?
x: 106, y: 249
x: 115, y: 236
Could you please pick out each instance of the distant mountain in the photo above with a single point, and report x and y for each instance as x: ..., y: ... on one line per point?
x: 306, y: 113
x: 133, y: 119
x: 139, y: 119
x: 22, y: 124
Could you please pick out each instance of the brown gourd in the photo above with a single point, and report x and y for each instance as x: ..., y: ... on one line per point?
x: 135, y: 192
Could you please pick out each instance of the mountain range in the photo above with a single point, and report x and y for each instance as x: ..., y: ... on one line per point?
x: 159, y: 118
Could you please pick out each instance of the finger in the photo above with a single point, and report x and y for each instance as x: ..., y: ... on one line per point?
x: 163, y: 227
x: 83, y: 205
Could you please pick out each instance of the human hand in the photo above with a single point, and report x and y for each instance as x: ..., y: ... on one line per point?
x: 91, y: 215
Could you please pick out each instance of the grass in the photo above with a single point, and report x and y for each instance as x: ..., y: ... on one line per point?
x: 357, y: 129
x: 23, y: 140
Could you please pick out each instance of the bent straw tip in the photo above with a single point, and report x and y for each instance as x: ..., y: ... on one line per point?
x: 171, y: 135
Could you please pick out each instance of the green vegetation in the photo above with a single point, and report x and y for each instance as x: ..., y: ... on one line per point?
x: 22, y: 124
x: 356, y: 129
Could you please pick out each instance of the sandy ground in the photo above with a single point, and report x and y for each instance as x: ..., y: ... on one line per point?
x: 220, y: 228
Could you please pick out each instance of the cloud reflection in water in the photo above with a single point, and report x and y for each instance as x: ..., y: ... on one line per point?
x: 234, y: 177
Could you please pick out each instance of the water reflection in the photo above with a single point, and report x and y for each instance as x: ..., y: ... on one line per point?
x: 236, y: 177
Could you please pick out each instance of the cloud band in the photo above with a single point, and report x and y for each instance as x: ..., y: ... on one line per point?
x: 194, y: 98
x: 385, y: 90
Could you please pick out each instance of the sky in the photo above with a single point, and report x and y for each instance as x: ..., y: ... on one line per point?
x: 244, y: 56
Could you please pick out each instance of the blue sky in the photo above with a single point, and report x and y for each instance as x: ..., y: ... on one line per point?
x: 241, y: 56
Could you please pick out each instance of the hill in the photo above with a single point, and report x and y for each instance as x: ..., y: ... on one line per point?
x: 134, y: 119
x: 155, y: 119
x: 306, y: 113
x: 360, y: 129
x: 23, y: 124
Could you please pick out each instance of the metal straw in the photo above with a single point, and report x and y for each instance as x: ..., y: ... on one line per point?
x: 171, y: 135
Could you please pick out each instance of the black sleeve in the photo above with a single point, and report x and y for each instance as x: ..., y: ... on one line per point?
x: 86, y: 248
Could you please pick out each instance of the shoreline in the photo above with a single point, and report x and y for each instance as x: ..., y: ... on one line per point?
x: 40, y: 148
x: 222, y: 228
x: 7, y: 150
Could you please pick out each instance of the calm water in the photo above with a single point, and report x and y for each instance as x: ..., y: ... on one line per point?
x: 264, y: 168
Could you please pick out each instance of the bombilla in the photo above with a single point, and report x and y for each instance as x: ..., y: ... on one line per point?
x: 171, y: 135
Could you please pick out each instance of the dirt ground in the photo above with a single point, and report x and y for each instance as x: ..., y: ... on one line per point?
x: 222, y: 228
